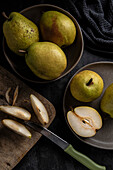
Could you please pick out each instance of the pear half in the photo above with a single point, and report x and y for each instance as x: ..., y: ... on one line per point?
x: 39, y: 110
x: 84, y: 121
x: 16, y: 127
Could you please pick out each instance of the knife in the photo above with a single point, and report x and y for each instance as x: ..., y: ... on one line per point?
x: 68, y: 148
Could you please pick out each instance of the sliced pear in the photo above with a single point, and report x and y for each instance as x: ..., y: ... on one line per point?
x: 16, y: 127
x: 16, y: 111
x: 39, y: 110
x: 84, y: 121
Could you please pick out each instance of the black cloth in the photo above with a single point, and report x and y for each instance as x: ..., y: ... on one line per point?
x: 96, y: 20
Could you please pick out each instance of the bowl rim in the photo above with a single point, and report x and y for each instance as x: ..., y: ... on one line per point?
x: 68, y: 71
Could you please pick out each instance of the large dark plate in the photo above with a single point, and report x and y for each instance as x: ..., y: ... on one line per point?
x: 72, y: 52
x: 104, y: 137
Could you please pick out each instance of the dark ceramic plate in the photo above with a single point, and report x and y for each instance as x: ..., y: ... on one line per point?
x: 104, y: 137
x: 73, y: 52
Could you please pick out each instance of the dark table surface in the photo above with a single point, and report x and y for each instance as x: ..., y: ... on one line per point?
x: 45, y: 155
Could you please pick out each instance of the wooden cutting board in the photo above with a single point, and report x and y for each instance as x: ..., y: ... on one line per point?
x: 13, y: 147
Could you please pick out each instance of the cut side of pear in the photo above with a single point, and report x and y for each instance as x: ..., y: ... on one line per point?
x: 39, y: 110
x: 16, y: 127
x: 84, y: 121
x: 16, y: 111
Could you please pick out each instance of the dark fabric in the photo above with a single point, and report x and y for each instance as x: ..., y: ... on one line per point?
x: 96, y: 20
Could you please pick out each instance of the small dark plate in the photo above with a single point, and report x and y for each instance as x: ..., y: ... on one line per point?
x: 73, y: 52
x: 104, y: 137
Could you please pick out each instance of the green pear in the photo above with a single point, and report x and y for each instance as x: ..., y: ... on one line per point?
x: 19, y: 32
x: 46, y: 60
x: 107, y: 101
x: 86, y: 86
x: 58, y: 28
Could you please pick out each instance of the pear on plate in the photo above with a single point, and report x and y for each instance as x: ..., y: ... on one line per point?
x: 16, y: 127
x: 86, y: 86
x: 46, y: 60
x: 19, y: 32
x: 57, y: 28
x: 107, y: 101
x: 84, y: 121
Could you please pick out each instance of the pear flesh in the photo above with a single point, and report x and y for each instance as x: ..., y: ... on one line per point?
x: 19, y: 32
x: 107, y: 101
x: 39, y: 110
x: 16, y: 127
x: 46, y: 60
x: 86, y: 86
x: 16, y: 112
x: 57, y: 28
x: 84, y: 121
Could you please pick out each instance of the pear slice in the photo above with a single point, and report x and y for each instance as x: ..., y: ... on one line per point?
x: 84, y: 121
x: 16, y: 127
x: 39, y: 110
x: 16, y: 111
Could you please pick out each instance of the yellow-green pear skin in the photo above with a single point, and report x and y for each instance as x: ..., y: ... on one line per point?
x: 106, y: 104
x: 86, y: 86
x: 19, y: 32
x: 46, y: 60
x: 57, y: 28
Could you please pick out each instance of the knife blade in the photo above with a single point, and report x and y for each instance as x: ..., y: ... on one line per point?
x: 68, y: 148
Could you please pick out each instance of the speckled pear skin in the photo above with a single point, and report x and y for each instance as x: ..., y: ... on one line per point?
x: 107, y: 101
x: 86, y: 86
x: 19, y: 32
x: 46, y: 60
x: 58, y: 28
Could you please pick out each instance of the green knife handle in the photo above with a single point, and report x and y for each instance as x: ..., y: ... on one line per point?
x: 83, y: 159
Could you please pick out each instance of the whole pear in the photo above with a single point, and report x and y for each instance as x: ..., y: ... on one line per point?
x: 46, y: 60
x: 19, y: 32
x: 107, y: 101
x: 58, y: 28
x: 86, y: 86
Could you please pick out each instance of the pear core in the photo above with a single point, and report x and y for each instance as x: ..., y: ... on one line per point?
x: 86, y: 86
x: 46, y: 60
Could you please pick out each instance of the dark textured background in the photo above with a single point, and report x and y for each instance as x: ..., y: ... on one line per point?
x: 45, y: 155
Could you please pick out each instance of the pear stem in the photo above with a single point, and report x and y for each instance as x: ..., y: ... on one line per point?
x: 89, y: 82
x: 5, y: 16
x: 22, y: 51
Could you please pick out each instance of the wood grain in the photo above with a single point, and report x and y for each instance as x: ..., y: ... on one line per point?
x: 13, y: 147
